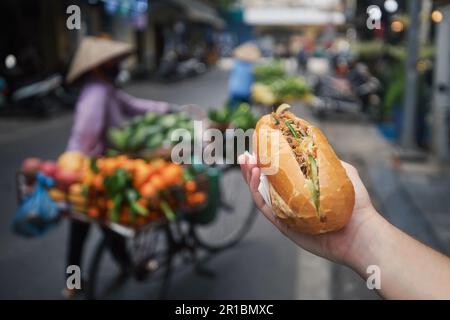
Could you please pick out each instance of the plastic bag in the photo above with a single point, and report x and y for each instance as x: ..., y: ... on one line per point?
x: 37, y: 213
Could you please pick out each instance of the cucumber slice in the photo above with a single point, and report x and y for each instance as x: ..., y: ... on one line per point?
x: 314, y: 192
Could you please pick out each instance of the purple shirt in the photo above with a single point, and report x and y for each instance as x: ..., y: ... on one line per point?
x: 101, y: 106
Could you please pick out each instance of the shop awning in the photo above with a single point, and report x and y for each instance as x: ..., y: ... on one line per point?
x: 199, y: 12
x: 273, y: 16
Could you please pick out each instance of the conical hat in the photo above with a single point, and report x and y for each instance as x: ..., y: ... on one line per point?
x: 93, y: 52
x: 247, y: 52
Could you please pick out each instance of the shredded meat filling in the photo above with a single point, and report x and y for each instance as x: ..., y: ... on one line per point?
x: 301, y: 146
x: 305, y: 152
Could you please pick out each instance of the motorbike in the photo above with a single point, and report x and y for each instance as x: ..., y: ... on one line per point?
x: 41, y: 96
x: 173, y: 68
x: 356, y: 92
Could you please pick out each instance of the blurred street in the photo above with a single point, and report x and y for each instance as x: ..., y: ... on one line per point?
x: 265, y: 265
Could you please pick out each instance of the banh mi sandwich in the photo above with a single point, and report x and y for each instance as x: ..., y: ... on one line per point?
x: 308, y: 186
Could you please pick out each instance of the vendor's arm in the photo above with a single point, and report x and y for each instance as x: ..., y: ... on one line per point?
x: 135, y: 106
x: 87, y: 131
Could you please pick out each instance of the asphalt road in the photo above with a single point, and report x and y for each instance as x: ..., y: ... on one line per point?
x: 264, y: 265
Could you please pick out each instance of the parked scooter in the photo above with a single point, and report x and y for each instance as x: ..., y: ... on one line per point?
x: 41, y: 97
x: 356, y: 92
x: 172, y: 68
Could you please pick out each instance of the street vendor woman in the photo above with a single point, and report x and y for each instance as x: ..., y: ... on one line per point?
x: 100, y: 105
x: 241, y: 75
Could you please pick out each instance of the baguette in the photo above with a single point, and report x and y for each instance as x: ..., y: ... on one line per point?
x: 309, y: 188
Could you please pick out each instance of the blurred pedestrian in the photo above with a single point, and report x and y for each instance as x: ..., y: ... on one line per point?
x: 100, y: 106
x: 302, y: 59
x: 241, y: 75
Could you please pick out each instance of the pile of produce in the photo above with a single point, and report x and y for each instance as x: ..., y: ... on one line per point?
x: 121, y: 189
x: 290, y: 88
x: 273, y: 86
x: 239, y: 118
x: 263, y: 94
x: 269, y: 72
x: 149, y: 132
x: 66, y: 171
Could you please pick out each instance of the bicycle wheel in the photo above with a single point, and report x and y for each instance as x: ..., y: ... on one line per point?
x: 148, y: 254
x: 234, y: 216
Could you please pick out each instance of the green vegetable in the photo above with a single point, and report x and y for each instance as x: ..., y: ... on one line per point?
x: 289, y: 87
x: 314, y: 180
x: 147, y: 132
x: 155, y: 141
x: 314, y: 192
x: 118, y: 137
x: 118, y: 187
x: 150, y: 118
x: 93, y: 165
x: 242, y: 117
x: 269, y: 72
x: 115, y: 211
x: 132, y: 196
x: 291, y: 128
x: 138, y: 138
x: 168, y: 121
x: 314, y: 171
x: 167, y: 210
x: 222, y: 115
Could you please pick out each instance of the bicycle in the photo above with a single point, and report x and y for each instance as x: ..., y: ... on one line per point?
x: 154, y: 247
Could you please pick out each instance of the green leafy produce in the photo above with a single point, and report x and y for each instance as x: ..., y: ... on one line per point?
x: 272, y: 85
x: 290, y: 87
x: 119, y: 188
x: 222, y: 115
x: 147, y: 132
x: 242, y: 117
x: 269, y: 72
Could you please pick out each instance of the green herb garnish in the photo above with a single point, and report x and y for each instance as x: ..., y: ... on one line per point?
x: 291, y: 128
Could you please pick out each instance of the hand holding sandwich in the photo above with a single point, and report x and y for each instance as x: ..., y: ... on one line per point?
x: 409, y: 269
x: 335, y: 246
x: 336, y: 220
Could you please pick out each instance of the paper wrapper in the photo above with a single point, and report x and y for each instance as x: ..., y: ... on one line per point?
x: 263, y: 189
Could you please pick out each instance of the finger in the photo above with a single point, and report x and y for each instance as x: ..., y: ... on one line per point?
x: 244, y: 167
x: 250, y: 166
x: 244, y: 171
x: 254, y: 181
x: 241, y: 159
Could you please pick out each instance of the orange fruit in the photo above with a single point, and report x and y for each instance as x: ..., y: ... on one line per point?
x: 190, y: 186
x: 172, y: 174
x: 109, y: 204
x: 196, y: 198
x: 159, y: 164
x: 148, y: 190
x: 143, y: 202
x: 157, y: 182
x: 93, y: 212
x: 141, y: 175
x: 97, y: 182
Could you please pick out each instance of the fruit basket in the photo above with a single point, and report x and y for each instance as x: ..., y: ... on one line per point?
x: 121, y: 191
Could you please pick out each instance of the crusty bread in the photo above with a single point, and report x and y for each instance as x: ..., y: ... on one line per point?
x: 290, y: 197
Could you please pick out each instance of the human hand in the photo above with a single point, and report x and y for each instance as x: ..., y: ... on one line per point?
x: 339, y: 246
